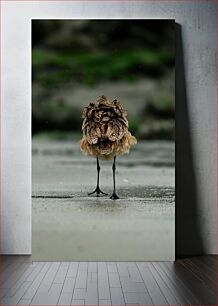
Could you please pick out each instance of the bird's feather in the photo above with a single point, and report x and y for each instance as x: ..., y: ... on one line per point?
x: 105, y: 129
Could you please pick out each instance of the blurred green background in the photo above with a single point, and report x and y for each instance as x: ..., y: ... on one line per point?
x: 75, y: 61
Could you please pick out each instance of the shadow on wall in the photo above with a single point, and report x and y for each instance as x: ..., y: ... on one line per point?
x: 188, y: 227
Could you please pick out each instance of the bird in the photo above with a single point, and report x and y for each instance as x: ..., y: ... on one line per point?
x: 105, y: 135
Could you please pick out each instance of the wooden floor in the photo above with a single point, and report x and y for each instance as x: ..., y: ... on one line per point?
x: 188, y: 281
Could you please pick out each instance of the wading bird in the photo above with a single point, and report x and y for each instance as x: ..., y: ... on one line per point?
x: 105, y: 134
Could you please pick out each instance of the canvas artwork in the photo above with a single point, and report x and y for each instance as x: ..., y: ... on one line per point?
x: 103, y: 140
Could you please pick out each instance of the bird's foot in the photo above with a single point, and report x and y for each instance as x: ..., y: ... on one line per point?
x: 98, y: 191
x: 114, y: 196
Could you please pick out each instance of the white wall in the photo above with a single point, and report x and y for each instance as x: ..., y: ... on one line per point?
x: 198, y: 24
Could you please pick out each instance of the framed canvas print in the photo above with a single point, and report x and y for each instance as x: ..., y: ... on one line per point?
x: 103, y: 127
x: 88, y: 212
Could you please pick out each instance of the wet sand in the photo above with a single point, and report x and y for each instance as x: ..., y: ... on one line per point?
x: 69, y: 225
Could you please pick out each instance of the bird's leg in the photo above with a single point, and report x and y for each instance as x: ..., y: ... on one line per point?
x: 114, y: 195
x: 97, y: 189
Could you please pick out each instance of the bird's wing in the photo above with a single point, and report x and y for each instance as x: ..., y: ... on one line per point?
x: 92, y: 132
x: 116, y: 130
